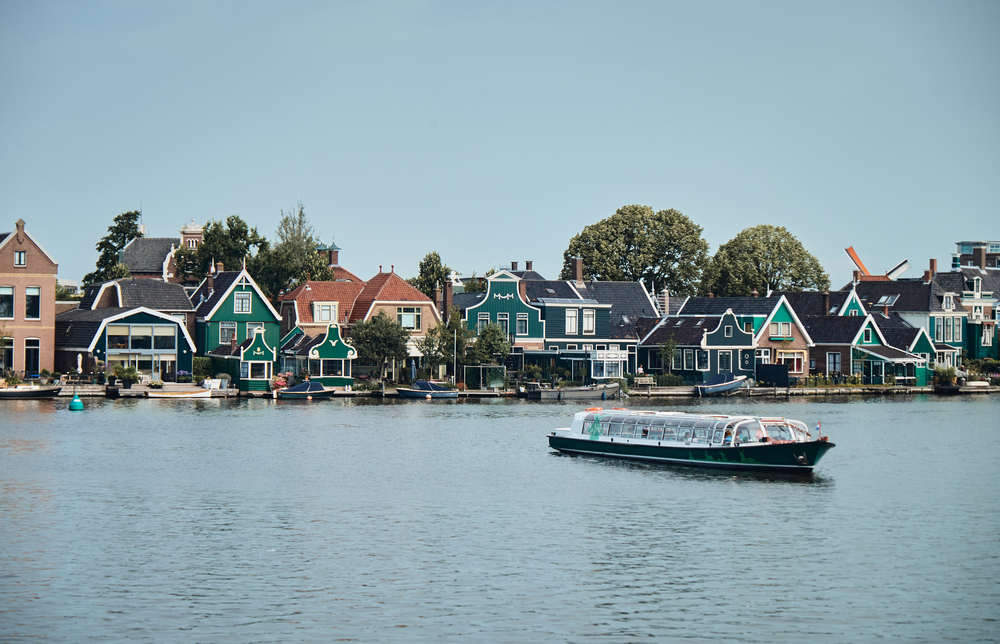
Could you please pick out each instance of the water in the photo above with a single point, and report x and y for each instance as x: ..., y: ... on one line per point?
x: 361, y: 521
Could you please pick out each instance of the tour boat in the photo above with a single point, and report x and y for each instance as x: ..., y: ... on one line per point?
x: 758, y: 443
x: 20, y: 392
x: 426, y: 389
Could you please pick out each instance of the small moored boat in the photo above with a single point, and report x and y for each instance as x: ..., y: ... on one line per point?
x: 607, y: 391
x: 426, y: 389
x: 307, y: 390
x: 702, y: 440
x: 21, y: 392
x: 723, y: 383
x: 204, y: 393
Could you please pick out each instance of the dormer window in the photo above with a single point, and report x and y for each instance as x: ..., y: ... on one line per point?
x: 868, y: 335
x: 241, y: 302
x: 977, y: 285
x: 948, y: 305
x: 324, y: 311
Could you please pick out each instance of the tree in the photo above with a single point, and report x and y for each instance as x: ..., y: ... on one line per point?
x: 124, y: 229
x: 763, y: 258
x: 293, y: 259
x: 478, y: 284
x: 666, y: 352
x: 662, y: 248
x: 492, y: 341
x: 230, y: 242
x: 448, y: 343
x: 380, y: 339
x: 432, y: 274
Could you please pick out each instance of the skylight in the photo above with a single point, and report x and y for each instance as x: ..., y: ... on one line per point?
x: 888, y: 300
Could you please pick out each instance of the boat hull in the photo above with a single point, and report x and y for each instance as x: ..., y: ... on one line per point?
x: 794, y: 457
x: 720, y: 389
x: 311, y: 395
x: 26, y: 393
x: 607, y: 392
x: 420, y: 393
x: 207, y: 393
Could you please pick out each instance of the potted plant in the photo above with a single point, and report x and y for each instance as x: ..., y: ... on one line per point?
x: 183, y: 376
x: 128, y: 375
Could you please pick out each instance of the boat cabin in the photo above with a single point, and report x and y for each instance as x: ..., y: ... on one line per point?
x: 688, y: 428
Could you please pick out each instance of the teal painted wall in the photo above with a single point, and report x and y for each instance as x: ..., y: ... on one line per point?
x: 502, y: 297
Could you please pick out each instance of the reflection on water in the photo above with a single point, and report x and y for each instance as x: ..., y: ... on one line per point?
x: 253, y: 521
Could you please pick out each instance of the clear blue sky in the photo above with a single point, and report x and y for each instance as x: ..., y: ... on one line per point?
x: 493, y: 132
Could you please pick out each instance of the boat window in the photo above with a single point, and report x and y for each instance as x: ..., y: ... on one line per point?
x: 687, y: 423
x: 779, y: 433
x: 700, y: 436
x: 590, y: 417
x: 670, y: 434
x: 628, y: 429
x: 618, y: 419
x: 655, y: 433
x: 615, y: 429
x: 684, y: 435
x: 641, y: 431
x: 703, y: 424
x: 672, y: 422
x: 631, y: 421
x: 717, y: 436
x: 657, y: 421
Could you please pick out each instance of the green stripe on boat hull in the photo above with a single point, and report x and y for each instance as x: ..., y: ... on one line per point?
x: 785, y: 457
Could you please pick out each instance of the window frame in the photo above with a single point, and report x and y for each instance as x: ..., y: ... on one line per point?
x: 503, y: 319
x: 589, y: 322
x: 12, y: 302
x: 227, y: 325
x: 729, y: 357
x: 402, y: 312
x: 481, y: 322
x: 572, y: 321
x: 242, y: 296
x: 38, y: 295
x: 20, y: 258
x: 520, y: 317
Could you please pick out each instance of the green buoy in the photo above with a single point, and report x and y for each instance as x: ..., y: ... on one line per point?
x: 76, y: 404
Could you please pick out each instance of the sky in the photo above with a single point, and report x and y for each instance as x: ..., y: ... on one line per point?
x: 494, y: 132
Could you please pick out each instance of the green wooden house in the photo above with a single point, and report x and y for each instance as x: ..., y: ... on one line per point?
x: 325, y: 357
x: 250, y: 364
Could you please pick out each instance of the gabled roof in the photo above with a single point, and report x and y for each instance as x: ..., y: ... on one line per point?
x: 344, y: 293
x: 528, y: 275
x: 910, y: 295
x: 81, y: 328
x: 207, y: 300
x: 341, y: 273
x: 385, y: 287
x: 147, y: 254
x: 686, y: 331
x: 811, y: 302
x: 629, y: 301
x: 129, y: 292
x: 465, y: 300
x: 6, y: 237
x: 550, y: 289
x: 759, y: 306
x: 833, y: 329
x: 777, y: 305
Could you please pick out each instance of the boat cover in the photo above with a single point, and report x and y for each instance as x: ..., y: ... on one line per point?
x: 424, y: 385
x: 720, y: 379
x: 307, y: 387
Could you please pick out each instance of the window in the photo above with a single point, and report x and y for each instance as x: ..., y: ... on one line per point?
x: 977, y: 313
x: 324, y: 311
x: 409, y: 317
x: 938, y: 329
x: 333, y: 368
x: 812, y: 364
x: 987, y: 340
x: 522, y: 324
x: 142, y: 337
x: 688, y: 359
x: 602, y: 347
x: 164, y: 338
x: 948, y: 329
x: 702, y: 360
x: 958, y: 329
x: 868, y: 335
x: 614, y: 347
x: 654, y: 360
x: 227, y: 332
x: 20, y: 258
x: 725, y: 361
x: 241, y: 302
x: 192, y: 243
x: 260, y: 370
x: 729, y: 331
x: 32, y: 303
x: 7, y: 302
x: 6, y: 354
x: 252, y: 326
x: 571, y: 315
x: 947, y: 306
x: 503, y: 319
x: 117, y: 336
x: 31, y: 354
x: 553, y: 347
x: 598, y: 369
x: 748, y: 327
x: 791, y: 358
x: 588, y: 347
x: 484, y: 319
x: 833, y: 363
x: 781, y: 329
x: 852, y: 313
x: 571, y: 347
x: 588, y: 321
x: 762, y: 356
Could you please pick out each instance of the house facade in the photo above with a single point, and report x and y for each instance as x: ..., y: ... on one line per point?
x: 153, y: 257
x: 27, y: 303
x: 705, y: 347
x: 326, y: 357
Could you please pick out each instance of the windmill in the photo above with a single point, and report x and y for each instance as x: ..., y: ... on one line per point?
x: 862, y: 274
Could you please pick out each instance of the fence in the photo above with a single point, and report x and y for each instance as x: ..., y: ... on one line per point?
x: 485, y: 376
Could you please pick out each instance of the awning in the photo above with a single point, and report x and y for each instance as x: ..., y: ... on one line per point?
x: 889, y: 354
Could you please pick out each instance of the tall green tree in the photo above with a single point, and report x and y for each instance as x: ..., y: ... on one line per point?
x: 666, y: 352
x: 124, y: 229
x: 662, y: 249
x: 491, y: 343
x: 448, y: 343
x: 231, y: 242
x: 433, y: 274
x: 293, y: 259
x: 380, y: 339
x: 763, y: 258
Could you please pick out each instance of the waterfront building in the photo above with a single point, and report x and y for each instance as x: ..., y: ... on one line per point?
x: 706, y: 345
x: 153, y: 257
x: 326, y: 357
x: 27, y: 303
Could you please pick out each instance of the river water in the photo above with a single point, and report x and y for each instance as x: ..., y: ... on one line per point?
x: 370, y: 521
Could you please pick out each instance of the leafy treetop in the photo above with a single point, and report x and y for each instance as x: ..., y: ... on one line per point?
x: 124, y: 229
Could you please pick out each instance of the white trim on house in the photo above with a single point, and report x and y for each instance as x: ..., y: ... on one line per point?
x: 140, y: 309
x: 13, y: 233
x: 766, y: 326
x: 237, y: 282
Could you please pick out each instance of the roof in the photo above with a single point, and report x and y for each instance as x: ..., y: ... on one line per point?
x: 527, y: 275
x: 147, y: 254
x: 900, y: 337
x: 230, y: 350
x: 465, y: 300
x: 629, y: 301
x: 686, y: 331
x: 538, y: 289
x: 910, y: 295
x: 833, y: 329
x: 78, y: 329
x: 341, y: 273
x: 889, y: 353
x: 385, y: 287
x: 811, y: 302
x: 131, y: 293
x: 205, y: 298
x: 344, y: 293
x: 719, y: 305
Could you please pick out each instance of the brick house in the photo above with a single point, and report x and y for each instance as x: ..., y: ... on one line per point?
x: 153, y: 257
x: 27, y: 303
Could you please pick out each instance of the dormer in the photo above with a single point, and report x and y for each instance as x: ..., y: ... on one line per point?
x: 324, y: 312
x: 948, y: 303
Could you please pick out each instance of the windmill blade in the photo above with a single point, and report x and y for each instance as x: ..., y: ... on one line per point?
x: 899, y: 269
x: 857, y: 260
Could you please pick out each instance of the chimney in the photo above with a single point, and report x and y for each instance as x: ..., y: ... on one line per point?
x: 826, y: 302
x: 513, y: 266
x: 219, y: 267
x: 577, y: 263
x: 857, y: 276
x: 20, y: 230
x: 232, y: 344
x: 933, y: 270
x: 711, y: 295
x: 755, y: 293
x: 210, y: 282
x: 437, y: 299
x: 979, y: 256
x: 446, y: 299
x: 665, y: 302
x: 522, y: 291
x: 885, y: 310
x: 527, y: 265
x: 927, y: 277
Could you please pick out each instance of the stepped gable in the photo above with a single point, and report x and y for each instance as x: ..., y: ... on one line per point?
x: 811, y: 302
x: 344, y: 293
x: 384, y: 287
x: 205, y: 299
x: 833, y: 329
x: 686, y: 331
x: 719, y: 305
x: 147, y: 254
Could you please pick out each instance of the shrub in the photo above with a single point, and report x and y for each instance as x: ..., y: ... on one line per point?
x: 202, y: 367
x: 669, y: 380
x: 156, y: 384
